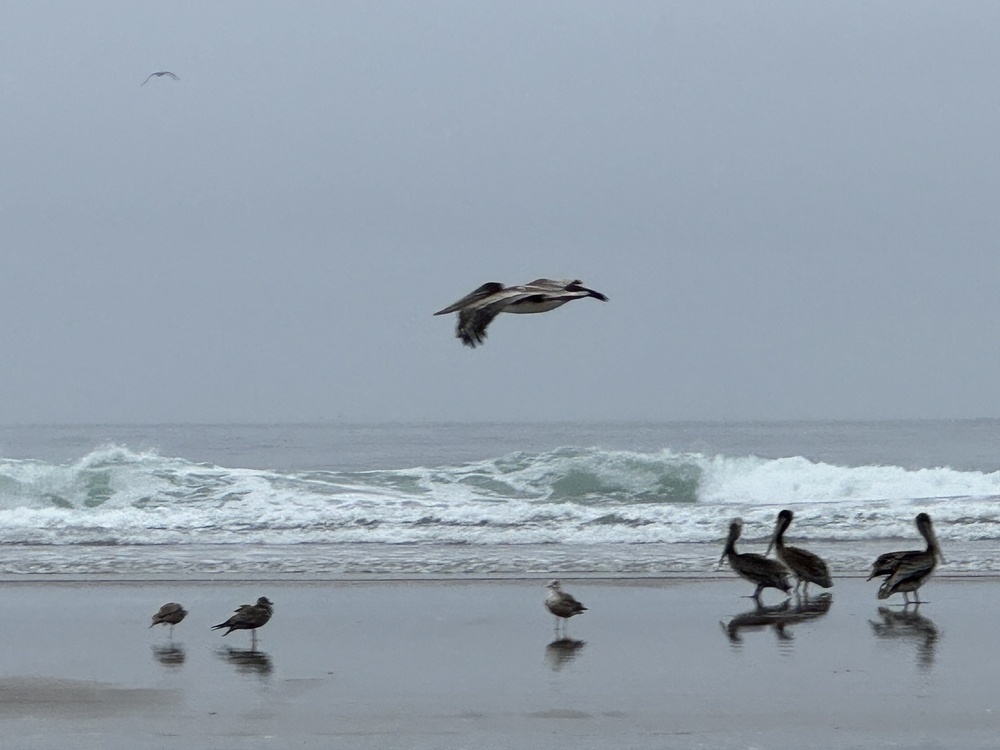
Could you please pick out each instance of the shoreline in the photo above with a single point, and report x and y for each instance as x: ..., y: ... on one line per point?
x: 454, y: 662
x: 639, y: 579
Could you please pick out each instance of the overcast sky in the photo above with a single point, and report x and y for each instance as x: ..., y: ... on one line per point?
x: 794, y: 208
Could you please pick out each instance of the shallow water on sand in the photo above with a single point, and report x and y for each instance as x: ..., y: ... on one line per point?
x: 680, y: 664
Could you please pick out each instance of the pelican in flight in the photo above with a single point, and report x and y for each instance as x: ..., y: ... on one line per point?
x: 561, y: 604
x: 766, y: 573
x: 907, y: 571
x: 157, y: 75
x: 806, y: 566
x: 477, y: 309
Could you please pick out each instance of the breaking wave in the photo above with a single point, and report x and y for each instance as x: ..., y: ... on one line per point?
x: 579, y: 496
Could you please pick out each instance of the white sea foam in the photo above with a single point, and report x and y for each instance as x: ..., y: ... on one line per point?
x: 579, y: 497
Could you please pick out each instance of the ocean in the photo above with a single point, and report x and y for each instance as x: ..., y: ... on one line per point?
x: 335, y: 500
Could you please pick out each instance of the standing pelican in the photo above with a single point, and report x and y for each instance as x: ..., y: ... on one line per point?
x: 907, y: 571
x: 157, y: 75
x: 170, y: 614
x: 561, y: 604
x: 477, y: 309
x: 806, y: 566
x: 249, y: 617
x: 755, y: 568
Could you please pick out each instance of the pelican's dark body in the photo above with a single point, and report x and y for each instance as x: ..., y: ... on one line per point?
x: 908, y: 571
x: 806, y: 566
x: 755, y: 568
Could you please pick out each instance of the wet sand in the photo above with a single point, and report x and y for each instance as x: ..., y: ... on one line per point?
x: 676, y: 663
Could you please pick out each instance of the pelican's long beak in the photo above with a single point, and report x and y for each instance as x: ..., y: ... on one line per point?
x: 721, y: 558
x: 774, y: 538
x: 595, y: 294
x: 937, y: 546
x: 577, y: 287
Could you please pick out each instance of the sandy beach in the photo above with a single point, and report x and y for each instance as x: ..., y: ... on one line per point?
x: 666, y: 663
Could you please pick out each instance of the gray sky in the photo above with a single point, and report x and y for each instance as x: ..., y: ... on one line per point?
x: 794, y: 208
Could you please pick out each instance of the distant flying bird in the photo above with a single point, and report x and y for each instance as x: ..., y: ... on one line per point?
x: 157, y: 75
x: 561, y: 604
x: 477, y: 309
x: 249, y: 617
x: 907, y: 571
x: 805, y: 565
x: 170, y: 614
x: 766, y: 573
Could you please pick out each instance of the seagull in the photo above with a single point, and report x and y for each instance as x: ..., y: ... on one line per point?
x: 157, y: 75
x: 170, y: 614
x: 477, y: 309
x: 561, y: 604
x: 249, y: 617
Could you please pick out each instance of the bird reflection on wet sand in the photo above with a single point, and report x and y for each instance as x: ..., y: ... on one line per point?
x: 562, y: 651
x: 169, y: 654
x: 248, y: 661
x: 777, y: 617
x: 908, y: 625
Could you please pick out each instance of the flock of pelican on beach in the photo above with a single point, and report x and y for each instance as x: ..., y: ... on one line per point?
x: 904, y: 572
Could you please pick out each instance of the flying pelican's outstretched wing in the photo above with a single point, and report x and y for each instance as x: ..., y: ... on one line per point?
x: 474, y: 318
x: 157, y: 75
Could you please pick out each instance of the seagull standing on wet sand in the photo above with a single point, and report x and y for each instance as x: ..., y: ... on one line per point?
x: 170, y: 614
x: 249, y: 617
x: 158, y: 75
x: 477, y: 309
x: 561, y: 604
